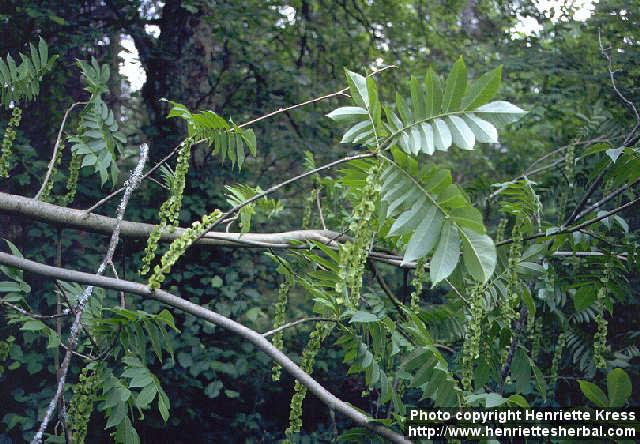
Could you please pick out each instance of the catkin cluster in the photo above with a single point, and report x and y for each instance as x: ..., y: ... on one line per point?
x: 72, y: 180
x: 319, y: 333
x: 500, y: 229
x: 85, y: 394
x: 353, y: 254
x: 278, y: 321
x: 557, y: 356
x: 8, y: 139
x: 417, y: 281
x: 600, y: 338
x: 170, y: 208
x: 180, y: 245
x: 471, y: 345
x: 508, y: 308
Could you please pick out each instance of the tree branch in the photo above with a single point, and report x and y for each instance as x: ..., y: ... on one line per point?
x: 294, y: 323
x: 254, y: 337
x: 131, y: 184
x: 576, y: 227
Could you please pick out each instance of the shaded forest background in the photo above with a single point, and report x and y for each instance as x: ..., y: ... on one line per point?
x: 246, y: 58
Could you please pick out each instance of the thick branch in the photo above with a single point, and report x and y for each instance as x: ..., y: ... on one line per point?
x: 71, y: 218
x: 203, y: 313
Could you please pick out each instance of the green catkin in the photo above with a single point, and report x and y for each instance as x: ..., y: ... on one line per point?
x: 179, y: 246
x: 508, y: 308
x: 557, y: 356
x: 85, y: 395
x: 353, y: 254
x: 72, y: 180
x: 471, y: 345
x: 278, y: 321
x: 319, y: 333
x: 5, y: 348
x: 500, y: 229
x: 170, y: 209
x: 8, y: 139
x: 417, y: 281
x: 600, y: 338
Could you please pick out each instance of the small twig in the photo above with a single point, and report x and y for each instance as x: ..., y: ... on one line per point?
x: 460, y: 295
x: 605, y: 199
x: 342, y: 92
x: 294, y: 323
x: 52, y: 162
x: 385, y: 287
x: 157, y: 182
x: 77, y: 353
x: 39, y: 317
x: 594, y: 186
x: 575, y: 227
x: 629, y: 103
x: 123, y: 302
x: 324, y: 226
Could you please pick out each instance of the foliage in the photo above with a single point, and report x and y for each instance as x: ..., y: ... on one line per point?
x: 226, y: 139
x: 98, y: 139
x: 22, y: 82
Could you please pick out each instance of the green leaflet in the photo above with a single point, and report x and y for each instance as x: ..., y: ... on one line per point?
x: 479, y: 254
x: 483, y: 89
x: 447, y: 253
x: 428, y: 370
x: 426, y: 235
x: 358, y: 87
x: 367, y: 113
x: 455, y: 87
x: 499, y: 113
x: 347, y: 113
x: 594, y: 393
x: 433, y: 93
x: 618, y: 387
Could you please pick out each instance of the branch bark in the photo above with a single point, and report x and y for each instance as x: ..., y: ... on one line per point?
x: 254, y: 337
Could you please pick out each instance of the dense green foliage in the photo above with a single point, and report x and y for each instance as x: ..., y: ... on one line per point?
x: 483, y: 154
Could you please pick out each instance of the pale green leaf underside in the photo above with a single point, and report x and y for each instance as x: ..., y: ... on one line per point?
x: 447, y: 253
